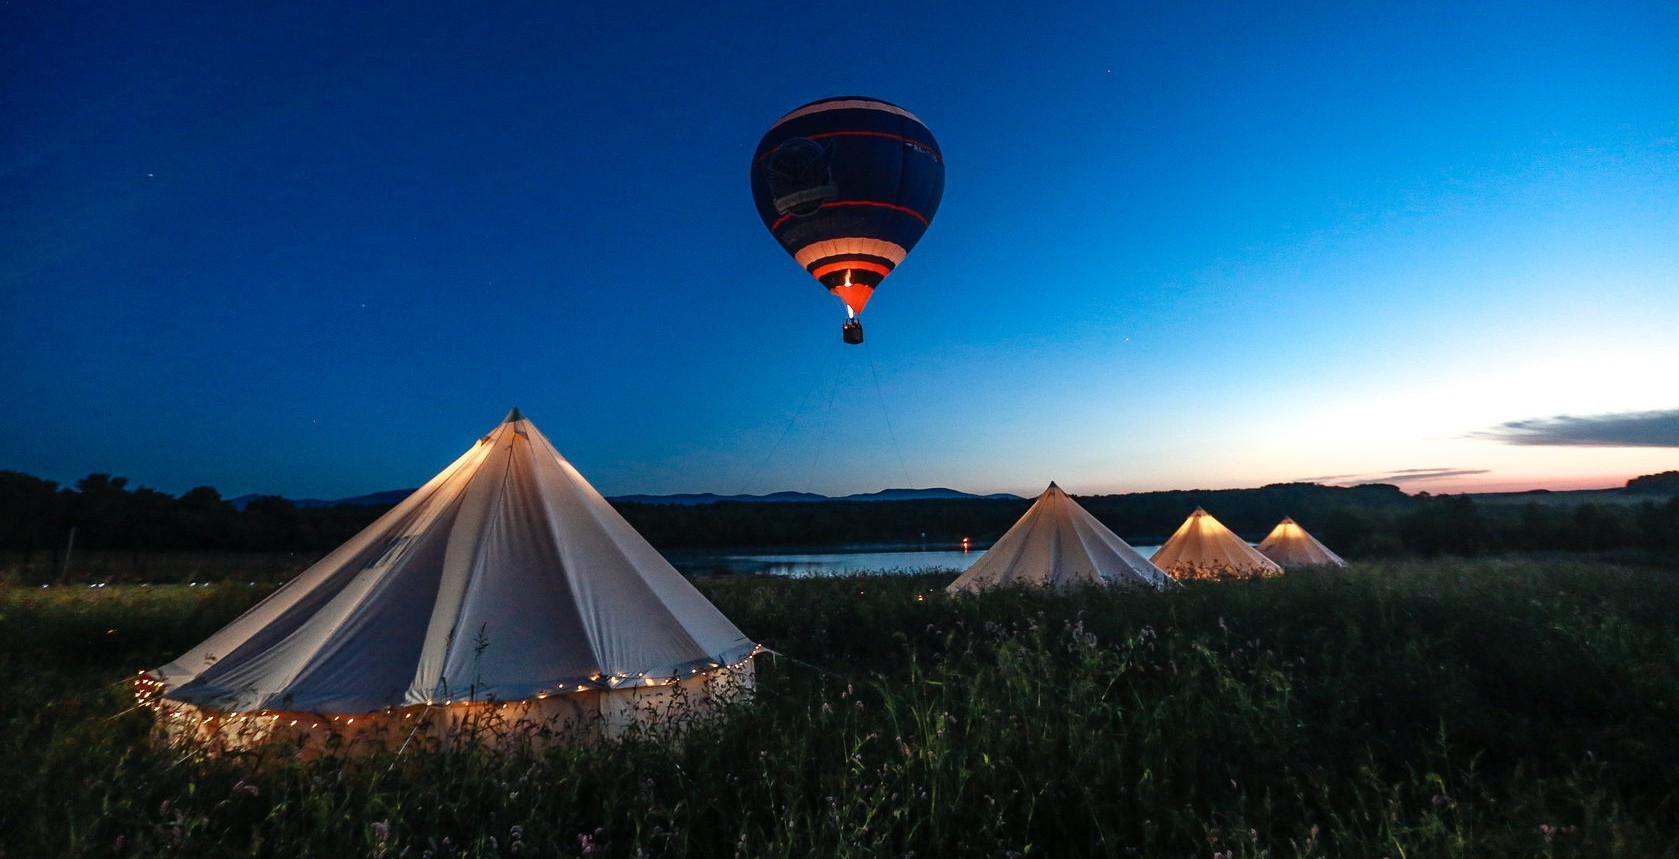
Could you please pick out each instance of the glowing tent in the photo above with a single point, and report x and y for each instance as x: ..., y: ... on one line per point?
x: 1059, y: 545
x: 505, y: 586
x: 1202, y: 548
x: 1291, y: 547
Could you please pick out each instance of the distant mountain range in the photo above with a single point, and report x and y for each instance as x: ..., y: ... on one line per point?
x: 883, y: 495
x: 388, y: 498
x: 391, y: 496
x: 1637, y: 489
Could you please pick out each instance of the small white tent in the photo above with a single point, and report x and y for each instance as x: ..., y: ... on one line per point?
x: 1291, y: 547
x: 1202, y: 548
x: 505, y: 581
x: 1059, y: 545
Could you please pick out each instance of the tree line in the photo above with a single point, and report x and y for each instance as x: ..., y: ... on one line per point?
x: 1374, y: 520
x: 102, y: 512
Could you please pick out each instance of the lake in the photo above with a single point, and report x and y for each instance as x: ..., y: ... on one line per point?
x: 829, y: 562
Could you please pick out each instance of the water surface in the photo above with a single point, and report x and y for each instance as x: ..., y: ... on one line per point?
x: 830, y: 562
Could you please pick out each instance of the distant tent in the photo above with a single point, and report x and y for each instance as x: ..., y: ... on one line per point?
x: 1202, y: 548
x: 1059, y: 545
x: 506, y: 588
x: 1291, y: 547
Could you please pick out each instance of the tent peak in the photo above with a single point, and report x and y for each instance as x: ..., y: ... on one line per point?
x: 1052, y: 485
x: 513, y: 415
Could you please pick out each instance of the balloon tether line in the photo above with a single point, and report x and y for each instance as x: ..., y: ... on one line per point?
x: 886, y: 414
x: 752, y: 481
x: 827, y: 419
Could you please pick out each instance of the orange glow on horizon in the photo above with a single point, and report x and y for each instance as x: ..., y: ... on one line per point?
x: 1479, y: 483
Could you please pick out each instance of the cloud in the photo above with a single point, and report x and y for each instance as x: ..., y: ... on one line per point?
x: 1622, y: 429
x: 1402, y: 475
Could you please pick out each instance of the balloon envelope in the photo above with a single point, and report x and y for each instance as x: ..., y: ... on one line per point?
x: 847, y: 186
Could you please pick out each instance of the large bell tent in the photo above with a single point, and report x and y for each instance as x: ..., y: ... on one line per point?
x: 504, y: 585
x: 1202, y: 548
x: 1057, y: 544
x: 1292, y: 548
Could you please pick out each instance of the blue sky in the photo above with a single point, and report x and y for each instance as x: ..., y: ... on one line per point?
x: 1181, y: 245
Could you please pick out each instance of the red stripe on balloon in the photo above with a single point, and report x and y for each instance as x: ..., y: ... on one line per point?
x: 855, y: 265
x: 893, y: 206
x: 898, y: 137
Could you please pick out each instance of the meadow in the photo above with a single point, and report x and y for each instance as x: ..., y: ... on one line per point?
x: 1494, y: 707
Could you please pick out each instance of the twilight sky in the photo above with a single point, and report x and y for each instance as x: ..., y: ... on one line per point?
x: 317, y: 252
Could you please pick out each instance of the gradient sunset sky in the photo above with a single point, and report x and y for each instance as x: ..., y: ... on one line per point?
x: 317, y: 251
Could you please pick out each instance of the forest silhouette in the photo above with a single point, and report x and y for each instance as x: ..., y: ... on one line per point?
x: 102, y: 512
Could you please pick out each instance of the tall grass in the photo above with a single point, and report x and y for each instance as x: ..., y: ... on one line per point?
x: 1440, y: 709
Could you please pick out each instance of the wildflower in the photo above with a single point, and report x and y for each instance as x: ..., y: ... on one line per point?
x: 382, y: 830
x: 588, y: 845
x: 1551, y: 832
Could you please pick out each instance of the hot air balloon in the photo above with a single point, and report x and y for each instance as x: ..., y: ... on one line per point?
x: 847, y: 186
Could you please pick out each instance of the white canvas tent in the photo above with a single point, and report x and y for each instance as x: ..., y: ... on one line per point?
x: 1291, y: 547
x: 1059, y: 545
x: 505, y: 582
x: 1202, y: 548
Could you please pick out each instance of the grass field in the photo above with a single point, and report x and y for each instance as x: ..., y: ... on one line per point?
x: 1486, y: 708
